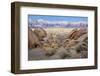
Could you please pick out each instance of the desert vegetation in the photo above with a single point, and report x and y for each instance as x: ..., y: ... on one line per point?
x: 57, y: 43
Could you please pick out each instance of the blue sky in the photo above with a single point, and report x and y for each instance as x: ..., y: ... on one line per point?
x: 58, y: 18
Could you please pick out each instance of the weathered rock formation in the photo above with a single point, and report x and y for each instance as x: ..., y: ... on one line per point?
x: 62, y: 46
x: 34, y: 37
x: 76, y: 33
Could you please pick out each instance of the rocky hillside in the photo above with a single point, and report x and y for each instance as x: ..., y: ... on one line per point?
x: 66, y: 45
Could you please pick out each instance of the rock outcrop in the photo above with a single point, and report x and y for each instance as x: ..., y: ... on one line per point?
x: 62, y: 46
x: 35, y: 37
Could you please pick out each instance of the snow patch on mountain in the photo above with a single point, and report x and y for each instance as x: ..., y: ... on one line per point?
x: 47, y: 24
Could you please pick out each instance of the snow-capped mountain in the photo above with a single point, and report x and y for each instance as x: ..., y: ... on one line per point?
x: 47, y: 24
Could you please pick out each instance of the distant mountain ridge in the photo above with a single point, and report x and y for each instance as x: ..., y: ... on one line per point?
x: 50, y: 24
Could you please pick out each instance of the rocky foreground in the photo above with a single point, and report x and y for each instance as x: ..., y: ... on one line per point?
x: 48, y: 46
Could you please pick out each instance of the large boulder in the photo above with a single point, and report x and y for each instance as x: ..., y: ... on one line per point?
x: 76, y: 33
x: 40, y: 32
x: 34, y: 37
